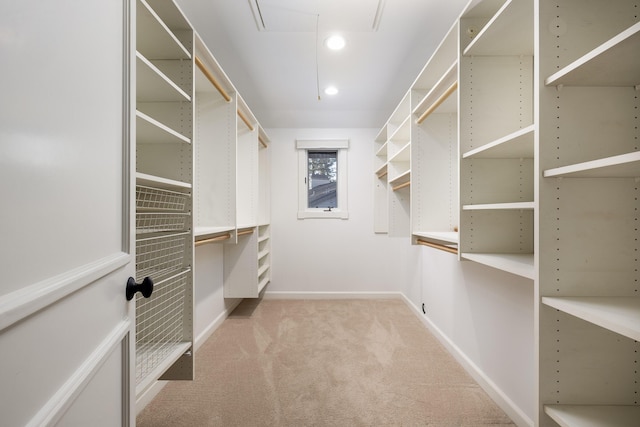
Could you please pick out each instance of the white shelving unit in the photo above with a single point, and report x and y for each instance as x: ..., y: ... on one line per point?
x: 232, y: 179
x: 434, y: 150
x: 381, y: 183
x: 397, y: 170
x: 589, y: 314
x: 215, y: 149
x: 264, y: 256
x: 544, y: 127
x: 247, y: 174
x: 497, y: 191
x: 246, y: 257
x: 164, y: 184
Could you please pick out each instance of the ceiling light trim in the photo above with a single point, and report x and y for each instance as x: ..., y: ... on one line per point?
x: 335, y: 42
x: 331, y: 90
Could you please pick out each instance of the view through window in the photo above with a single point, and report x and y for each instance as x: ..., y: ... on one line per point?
x: 322, y: 179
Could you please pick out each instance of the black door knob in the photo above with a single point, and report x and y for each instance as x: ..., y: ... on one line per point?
x: 146, y: 287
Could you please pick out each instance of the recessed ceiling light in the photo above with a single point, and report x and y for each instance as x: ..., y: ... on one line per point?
x: 331, y: 90
x: 335, y: 42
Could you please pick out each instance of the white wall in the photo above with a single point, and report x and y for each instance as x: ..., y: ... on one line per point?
x: 210, y: 306
x: 486, y: 316
x: 329, y: 255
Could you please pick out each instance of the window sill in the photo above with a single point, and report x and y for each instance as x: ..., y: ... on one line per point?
x: 320, y: 213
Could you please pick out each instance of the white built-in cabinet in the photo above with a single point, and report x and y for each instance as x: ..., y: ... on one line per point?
x: 232, y: 195
x: 588, y: 142
x: 434, y: 149
x: 164, y: 188
x: 416, y: 156
x: 520, y: 144
x: 201, y: 178
x: 496, y: 136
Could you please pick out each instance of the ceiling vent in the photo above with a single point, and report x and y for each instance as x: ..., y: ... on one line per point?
x: 291, y: 16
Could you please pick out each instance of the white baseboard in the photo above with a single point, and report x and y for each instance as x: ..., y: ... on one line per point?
x: 332, y: 295
x: 209, y: 330
x: 498, y: 396
x: 152, y: 391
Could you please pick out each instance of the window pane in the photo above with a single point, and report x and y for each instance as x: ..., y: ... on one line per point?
x: 322, y: 179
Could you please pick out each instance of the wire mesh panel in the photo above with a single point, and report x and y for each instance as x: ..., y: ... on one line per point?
x: 159, y: 323
x: 157, y: 199
x: 154, y: 222
x: 158, y: 256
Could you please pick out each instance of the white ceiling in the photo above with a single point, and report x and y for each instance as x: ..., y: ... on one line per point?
x: 277, y: 69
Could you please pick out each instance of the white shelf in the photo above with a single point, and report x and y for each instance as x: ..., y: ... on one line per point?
x: 594, y: 415
x: 168, y: 356
x: 263, y: 283
x: 500, y: 206
x: 154, y: 39
x: 440, y: 88
x: 381, y: 137
x: 621, y: 166
x: 518, y: 264
x: 206, y: 231
x: 263, y: 254
x: 403, y: 154
x: 263, y: 238
x: 403, y: 132
x: 159, y: 182
x: 400, y: 114
x: 149, y: 130
x: 262, y: 269
x: 382, y: 152
x: 618, y: 314
x: 382, y: 171
x: 152, y: 85
x: 401, y: 179
x: 518, y: 145
x: 614, y: 63
x: 442, y: 237
x: 509, y: 32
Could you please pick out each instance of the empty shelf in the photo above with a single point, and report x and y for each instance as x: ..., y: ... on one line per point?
x: 618, y: 314
x: 517, y: 145
x: 500, y: 206
x: 509, y: 32
x: 614, y: 63
x: 594, y: 415
x: 518, y: 264
x: 621, y: 166
x: 442, y: 237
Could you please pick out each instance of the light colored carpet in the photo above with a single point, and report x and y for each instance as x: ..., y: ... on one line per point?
x: 323, y: 363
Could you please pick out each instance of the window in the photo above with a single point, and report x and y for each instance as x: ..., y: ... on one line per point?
x: 323, y: 178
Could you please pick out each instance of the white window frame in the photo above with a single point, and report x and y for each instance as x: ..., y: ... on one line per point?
x: 304, y: 146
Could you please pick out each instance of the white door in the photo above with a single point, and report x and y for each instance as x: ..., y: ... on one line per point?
x: 66, y: 332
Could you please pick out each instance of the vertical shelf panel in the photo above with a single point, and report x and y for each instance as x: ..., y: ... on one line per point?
x: 214, y: 147
x: 164, y: 221
x: 588, y: 201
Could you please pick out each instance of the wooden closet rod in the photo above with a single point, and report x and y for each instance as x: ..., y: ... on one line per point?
x: 244, y: 232
x: 438, y: 246
x: 397, y: 187
x: 245, y: 120
x: 439, y: 101
x: 264, y: 144
x: 213, y: 239
x: 383, y: 174
x: 212, y: 79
